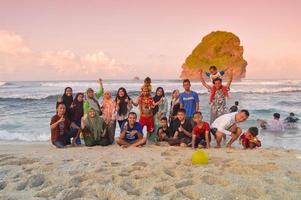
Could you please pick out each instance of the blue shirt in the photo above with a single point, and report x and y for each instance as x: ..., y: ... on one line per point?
x: 189, y: 101
x: 137, y: 127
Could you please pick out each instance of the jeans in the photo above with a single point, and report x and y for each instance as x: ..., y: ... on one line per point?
x: 58, y: 144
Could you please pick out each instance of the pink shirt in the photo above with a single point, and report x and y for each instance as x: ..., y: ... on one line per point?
x: 108, y: 110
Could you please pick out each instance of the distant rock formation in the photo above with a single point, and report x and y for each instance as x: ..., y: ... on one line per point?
x: 219, y: 48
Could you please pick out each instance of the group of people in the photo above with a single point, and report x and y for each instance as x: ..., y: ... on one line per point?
x: 89, y: 121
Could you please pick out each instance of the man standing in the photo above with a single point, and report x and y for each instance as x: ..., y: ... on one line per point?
x: 189, y: 100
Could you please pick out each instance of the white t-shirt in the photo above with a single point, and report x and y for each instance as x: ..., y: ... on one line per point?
x: 224, y: 122
x: 275, y: 125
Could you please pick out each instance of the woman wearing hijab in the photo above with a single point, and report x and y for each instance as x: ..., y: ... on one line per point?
x: 160, y: 110
x: 123, y: 106
x: 77, y: 113
x: 108, y: 108
x: 67, y: 100
x: 92, y: 126
x: 91, y: 99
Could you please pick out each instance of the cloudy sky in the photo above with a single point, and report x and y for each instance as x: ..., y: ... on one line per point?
x: 77, y: 39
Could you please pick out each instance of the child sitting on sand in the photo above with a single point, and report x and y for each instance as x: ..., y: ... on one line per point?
x: 200, y: 132
x: 147, y: 83
x: 213, y: 75
x: 249, y: 139
x: 164, y: 132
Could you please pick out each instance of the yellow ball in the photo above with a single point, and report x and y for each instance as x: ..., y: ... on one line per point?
x: 199, y: 157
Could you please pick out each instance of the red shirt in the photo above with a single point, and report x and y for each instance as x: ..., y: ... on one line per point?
x: 58, y: 133
x: 201, y: 132
x: 246, y: 142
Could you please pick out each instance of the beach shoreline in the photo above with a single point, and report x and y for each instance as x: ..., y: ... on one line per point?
x: 39, y: 171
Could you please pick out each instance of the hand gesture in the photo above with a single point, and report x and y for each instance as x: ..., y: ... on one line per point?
x: 62, y: 119
x: 180, y: 128
x: 133, y: 133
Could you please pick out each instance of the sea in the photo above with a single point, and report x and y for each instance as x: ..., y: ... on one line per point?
x: 26, y: 107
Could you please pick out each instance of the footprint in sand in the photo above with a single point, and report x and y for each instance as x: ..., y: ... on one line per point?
x: 211, y: 180
x: 36, y: 180
x: 130, y: 188
x: 69, y: 194
x: 76, y: 181
x: 294, y: 176
x: 184, y: 183
x: 140, y: 164
x: 170, y: 172
x: 3, y: 184
x: 49, y: 192
x: 21, y: 185
x: 190, y: 194
x: 163, y: 189
x: 124, y: 172
x: 264, y: 167
x: 115, y: 164
x: 16, y: 161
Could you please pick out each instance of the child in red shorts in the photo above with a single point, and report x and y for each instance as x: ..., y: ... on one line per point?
x: 146, y: 105
x: 249, y: 139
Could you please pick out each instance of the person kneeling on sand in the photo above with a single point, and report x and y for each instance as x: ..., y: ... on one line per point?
x: 181, y: 129
x: 93, y: 129
x: 131, y: 133
x: 200, y: 132
x: 227, y: 125
x: 249, y: 139
x: 60, y: 128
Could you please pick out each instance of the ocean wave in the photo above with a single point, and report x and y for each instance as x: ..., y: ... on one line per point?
x: 28, y: 98
x: 134, y: 93
x: 268, y: 90
x: 28, y: 137
x: 2, y: 83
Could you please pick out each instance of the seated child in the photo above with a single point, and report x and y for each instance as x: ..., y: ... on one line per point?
x: 164, y: 132
x: 200, y: 132
x: 214, y: 74
x: 147, y: 83
x: 249, y: 139
x: 181, y: 130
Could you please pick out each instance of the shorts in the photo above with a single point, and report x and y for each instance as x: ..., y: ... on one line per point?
x: 201, y: 141
x: 185, y: 140
x: 131, y: 141
x: 148, y: 122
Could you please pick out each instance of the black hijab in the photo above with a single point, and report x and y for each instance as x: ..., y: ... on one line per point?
x: 67, y: 99
x: 123, y: 105
x: 77, y: 110
x: 157, y: 98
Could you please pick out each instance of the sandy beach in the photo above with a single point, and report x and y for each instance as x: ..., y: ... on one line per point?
x: 40, y: 171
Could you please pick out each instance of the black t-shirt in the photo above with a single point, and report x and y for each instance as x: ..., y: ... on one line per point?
x: 175, y: 109
x: 186, y: 125
x: 168, y: 131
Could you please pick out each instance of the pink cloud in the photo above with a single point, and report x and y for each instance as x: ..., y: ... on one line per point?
x: 19, y: 61
x: 12, y: 43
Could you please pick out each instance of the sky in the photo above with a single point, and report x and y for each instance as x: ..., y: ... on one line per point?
x: 88, y: 39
